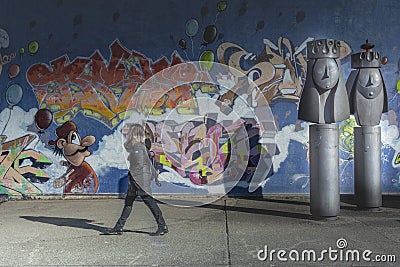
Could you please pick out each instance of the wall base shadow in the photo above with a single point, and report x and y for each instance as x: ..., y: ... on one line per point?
x: 294, y: 201
x: 391, y: 201
x: 260, y: 211
x: 388, y: 201
x: 276, y: 200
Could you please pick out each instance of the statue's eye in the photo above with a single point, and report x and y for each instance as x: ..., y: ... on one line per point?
x: 75, y: 139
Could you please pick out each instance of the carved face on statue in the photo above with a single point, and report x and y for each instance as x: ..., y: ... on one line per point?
x: 369, y: 83
x: 366, y: 88
x: 324, y: 98
x: 325, y: 73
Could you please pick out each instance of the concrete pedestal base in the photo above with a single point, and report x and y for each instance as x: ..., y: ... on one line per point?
x: 324, y: 170
x: 367, y: 167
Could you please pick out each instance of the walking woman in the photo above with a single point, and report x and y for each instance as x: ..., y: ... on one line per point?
x: 141, y: 172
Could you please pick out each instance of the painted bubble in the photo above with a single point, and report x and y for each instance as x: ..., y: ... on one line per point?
x: 33, y: 47
x: 4, y: 39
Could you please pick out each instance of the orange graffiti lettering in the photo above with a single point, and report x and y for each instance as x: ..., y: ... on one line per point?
x: 104, y: 90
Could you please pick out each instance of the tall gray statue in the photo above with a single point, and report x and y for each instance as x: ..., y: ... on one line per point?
x: 324, y: 97
x: 366, y: 88
x: 368, y: 99
x: 324, y: 101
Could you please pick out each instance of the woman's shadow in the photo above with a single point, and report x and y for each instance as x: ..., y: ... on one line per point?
x: 75, y: 223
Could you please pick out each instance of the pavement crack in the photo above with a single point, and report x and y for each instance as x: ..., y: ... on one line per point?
x: 227, y: 234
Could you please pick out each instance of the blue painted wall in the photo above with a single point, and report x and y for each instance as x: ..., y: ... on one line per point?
x: 156, y: 29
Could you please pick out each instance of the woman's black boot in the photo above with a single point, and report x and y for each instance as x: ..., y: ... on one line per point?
x: 114, y: 231
x: 161, y: 230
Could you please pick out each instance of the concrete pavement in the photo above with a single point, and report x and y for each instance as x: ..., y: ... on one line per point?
x: 227, y: 232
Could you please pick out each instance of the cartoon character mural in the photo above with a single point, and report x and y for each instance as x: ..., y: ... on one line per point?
x: 79, y: 176
x: 102, y: 89
x: 99, y: 86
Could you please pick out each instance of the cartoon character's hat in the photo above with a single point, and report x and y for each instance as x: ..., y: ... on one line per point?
x: 63, y: 131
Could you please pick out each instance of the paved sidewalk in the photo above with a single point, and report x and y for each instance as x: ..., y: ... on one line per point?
x: 228, y: 232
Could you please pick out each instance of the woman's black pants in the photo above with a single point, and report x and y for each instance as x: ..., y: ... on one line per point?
x: 149, y: 201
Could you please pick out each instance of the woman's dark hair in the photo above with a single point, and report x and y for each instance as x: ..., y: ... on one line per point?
x: 147, y: 143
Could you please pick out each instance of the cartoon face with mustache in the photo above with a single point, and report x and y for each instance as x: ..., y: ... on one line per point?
x: 75, y: 149
x: 79, y: 177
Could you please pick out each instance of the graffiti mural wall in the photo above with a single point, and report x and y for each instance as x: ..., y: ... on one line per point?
x: 216, y: 84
